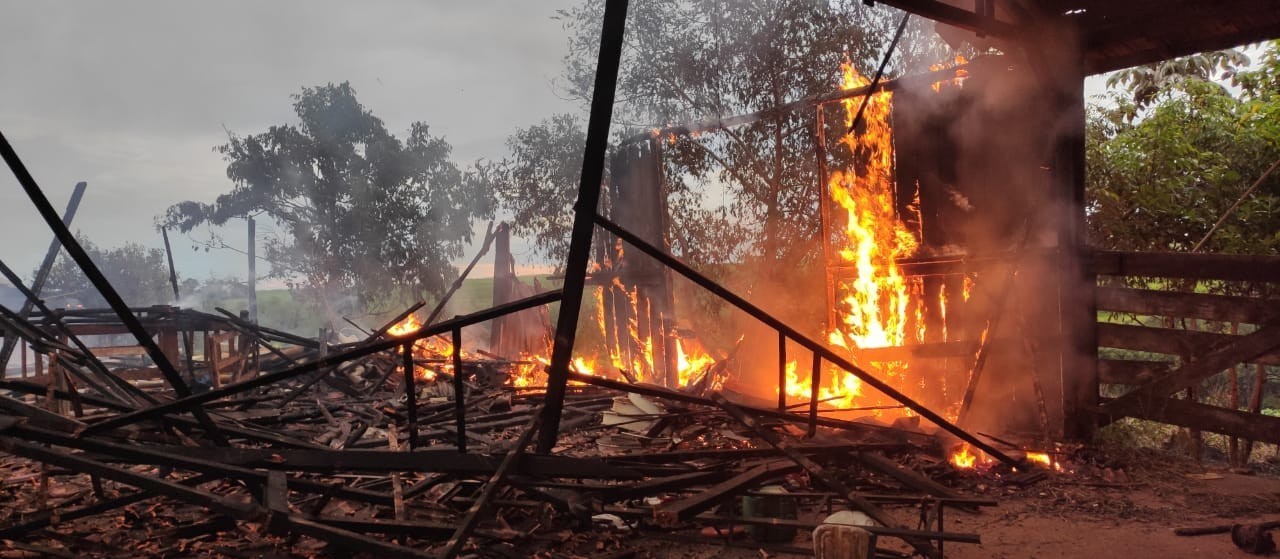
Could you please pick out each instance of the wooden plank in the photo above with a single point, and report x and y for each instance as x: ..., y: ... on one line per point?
x: 118, y: 351
x: 818, y: 473
x: 1131, y: 372
x: 1170, y: 341
x: 675, y: 512
x: 1214, y: 419
x: 1229, y: 267
x: 1243, y: 348
x: 1223, y: 308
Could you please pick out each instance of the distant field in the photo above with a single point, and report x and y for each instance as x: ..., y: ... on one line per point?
x: 277, y: 308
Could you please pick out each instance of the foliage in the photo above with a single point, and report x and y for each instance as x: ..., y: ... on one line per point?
x: 359, y: 210
x: 1159, y: 179
x: 139, y: 274
x: 685, y: 60
x: 1147, y: 81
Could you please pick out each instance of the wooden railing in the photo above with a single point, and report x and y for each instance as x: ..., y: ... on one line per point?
x: 1171, y: 342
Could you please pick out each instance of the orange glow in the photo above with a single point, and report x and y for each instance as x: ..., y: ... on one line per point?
x: 688, y: 365
x: 964, y: 459
x: 1045, y: 460
x: 961, y: 74
x: 405, y: 327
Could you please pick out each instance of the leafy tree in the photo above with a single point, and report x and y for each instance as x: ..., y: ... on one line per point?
x: 362, y: 215
x: 1160, y: 179
x: 139, y: 274
x: 1145, y: 82
x: 686, y: 60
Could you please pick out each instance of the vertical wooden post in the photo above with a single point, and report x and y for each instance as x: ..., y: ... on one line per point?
x: 502, y: 278
x: 782, y: 372
x: 459, y: 391
x: 815, y: 383
x: 411, y: 395
x: 252, y: 278
x: 1077, y: 299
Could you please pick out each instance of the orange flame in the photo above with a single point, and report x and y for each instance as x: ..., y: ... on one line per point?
x: 964, y: 459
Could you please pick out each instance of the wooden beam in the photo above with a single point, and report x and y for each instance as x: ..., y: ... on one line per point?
x: 676, y: 512
x: 1228, y: 267
x: 1243, y: 348
x: 1225, y: 308
x: 1171, y: 341
x: 1131, y: 372
x: 1204, y: 417
x: 951, y: 15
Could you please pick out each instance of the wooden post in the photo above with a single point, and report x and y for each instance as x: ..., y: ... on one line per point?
x: 501, y: 284
x: 252, y: 279
x: 1077, y: 289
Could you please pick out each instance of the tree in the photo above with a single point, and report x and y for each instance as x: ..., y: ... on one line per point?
x: 139, y: 274
x: 362, y: 215
x: 687, y: 60
x: 1159, y: 179
x: 1145, y: 82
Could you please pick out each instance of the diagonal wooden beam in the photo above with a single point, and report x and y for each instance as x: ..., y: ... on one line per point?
x: 42, y: 275
x: 1194, y: 415
x: 1245, y: 348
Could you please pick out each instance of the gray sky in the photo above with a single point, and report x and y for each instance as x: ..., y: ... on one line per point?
x: 131, y: 96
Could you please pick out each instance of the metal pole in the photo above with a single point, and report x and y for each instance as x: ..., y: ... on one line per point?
x: 611, y: 33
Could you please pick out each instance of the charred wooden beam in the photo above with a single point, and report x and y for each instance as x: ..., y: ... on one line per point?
x: 496, y: 481
x: 818, y: 473
x: 42, y: 273
x: 588, y: 203
x: 76, y: 463
x: 193, y: 402
x: 104, y: 287
x: 47, y: 518
x: 800, y: 338
x: 427, y: 460
x: 683, y: 510
x: 136, y: 454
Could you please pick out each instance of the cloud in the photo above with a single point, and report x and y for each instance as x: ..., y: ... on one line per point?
x: 131, y: 96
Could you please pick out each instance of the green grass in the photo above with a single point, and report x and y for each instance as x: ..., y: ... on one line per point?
x: 278, y: 309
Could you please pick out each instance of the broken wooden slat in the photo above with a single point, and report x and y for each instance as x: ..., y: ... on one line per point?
x: 685, y: 509
x: 818, y: 472
x: 1242, y: 348
x: 1205, y: 417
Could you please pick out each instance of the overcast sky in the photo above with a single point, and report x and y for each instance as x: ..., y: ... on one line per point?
x: 131, y: 96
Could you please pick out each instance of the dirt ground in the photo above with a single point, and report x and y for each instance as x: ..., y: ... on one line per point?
x: 1060, y: 520
x: 1078, y: 515
x: 1127, y: 509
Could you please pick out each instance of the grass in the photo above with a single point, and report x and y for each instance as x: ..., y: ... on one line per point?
x: 277, y: 308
